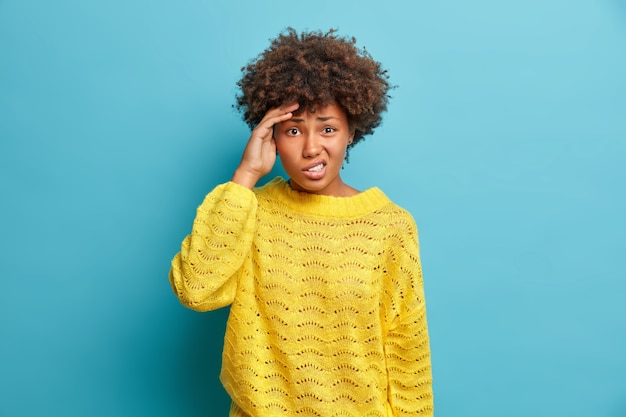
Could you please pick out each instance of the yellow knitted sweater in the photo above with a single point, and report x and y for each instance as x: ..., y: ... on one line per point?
x: 327, y: 310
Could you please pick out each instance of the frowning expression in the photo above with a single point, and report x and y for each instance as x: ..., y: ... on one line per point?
x: 312, y: 147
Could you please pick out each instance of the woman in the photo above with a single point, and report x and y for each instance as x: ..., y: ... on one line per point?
x: 324, y: 281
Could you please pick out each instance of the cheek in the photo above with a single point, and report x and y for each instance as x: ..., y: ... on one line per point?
x: 285, y: 152
x: 280, y: 144
x: 341, y: 146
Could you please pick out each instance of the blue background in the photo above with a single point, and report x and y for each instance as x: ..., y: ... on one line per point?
x: 506, y: 139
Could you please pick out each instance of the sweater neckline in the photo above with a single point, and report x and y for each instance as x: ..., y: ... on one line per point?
x: 357, y: 205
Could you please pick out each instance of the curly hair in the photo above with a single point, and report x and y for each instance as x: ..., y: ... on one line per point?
x: 315, y: 68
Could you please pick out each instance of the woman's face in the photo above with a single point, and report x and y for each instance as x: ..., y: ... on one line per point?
x: 312, y: 147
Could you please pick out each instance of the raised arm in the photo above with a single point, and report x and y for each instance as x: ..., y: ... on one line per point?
x: 204, y: 273
x: 260, y: 153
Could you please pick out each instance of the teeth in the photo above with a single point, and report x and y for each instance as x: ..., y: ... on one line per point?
x: 316, y: 168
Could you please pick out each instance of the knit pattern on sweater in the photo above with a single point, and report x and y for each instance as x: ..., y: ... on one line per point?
x: 327, y: 310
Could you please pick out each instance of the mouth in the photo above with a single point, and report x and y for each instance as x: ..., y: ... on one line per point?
x: 316, y: 168
x: 315, y: 171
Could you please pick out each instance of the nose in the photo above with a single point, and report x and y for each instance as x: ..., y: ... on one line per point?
x: 312, y: 146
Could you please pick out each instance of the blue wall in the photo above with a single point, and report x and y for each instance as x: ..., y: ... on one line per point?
x: 506, y: 139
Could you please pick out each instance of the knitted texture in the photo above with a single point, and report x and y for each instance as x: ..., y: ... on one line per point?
x: 327, y: 310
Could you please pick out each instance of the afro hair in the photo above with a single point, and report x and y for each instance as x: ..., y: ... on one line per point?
x: 315, y: 68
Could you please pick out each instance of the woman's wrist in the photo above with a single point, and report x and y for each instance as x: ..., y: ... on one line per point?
x: 245, y: 178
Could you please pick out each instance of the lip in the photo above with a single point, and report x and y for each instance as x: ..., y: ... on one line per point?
x: 315, y: 175
x: 314, y: 164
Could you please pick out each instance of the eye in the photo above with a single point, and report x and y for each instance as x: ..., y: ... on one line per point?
x: 292, y: 132
x: 328, y: 130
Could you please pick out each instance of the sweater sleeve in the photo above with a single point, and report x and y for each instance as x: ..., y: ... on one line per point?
x: 205, y: 272
x: 407, y: 345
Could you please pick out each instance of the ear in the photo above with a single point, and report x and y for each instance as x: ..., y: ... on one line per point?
x: 351, y: 137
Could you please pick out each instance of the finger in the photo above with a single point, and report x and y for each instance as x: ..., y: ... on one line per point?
x: 285, y: 108
x: 283, y: 112
x: 290, y: 107
x: 273, y: 117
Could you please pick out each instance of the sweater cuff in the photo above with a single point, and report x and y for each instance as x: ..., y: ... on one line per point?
x: 230, y: 193
x: 233, y: 187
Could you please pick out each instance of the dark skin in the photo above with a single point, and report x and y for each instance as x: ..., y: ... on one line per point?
x: 259, y: 156
x: 312, y: 146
